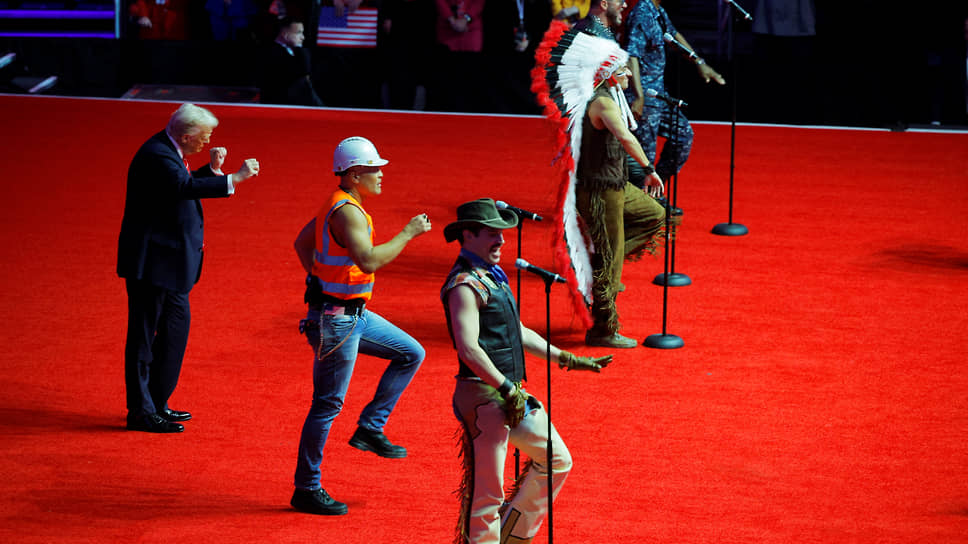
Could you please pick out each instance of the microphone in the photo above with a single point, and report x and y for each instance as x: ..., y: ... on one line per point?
x: 685, y: 50
x: 523, y: 213
x: 544, y: 274
x: 674, y: 102
x: 741, y: 11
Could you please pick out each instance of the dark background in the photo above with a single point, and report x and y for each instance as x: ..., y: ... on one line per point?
x: 881, y: 64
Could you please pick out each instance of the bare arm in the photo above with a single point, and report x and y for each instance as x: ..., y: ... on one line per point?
x: 604, y: 113
x: 305, y: 244
x: 535, y: 344
x: 682, y: 39
x: 465, y: 324
x: 349, y: 227
x: 705, y: 71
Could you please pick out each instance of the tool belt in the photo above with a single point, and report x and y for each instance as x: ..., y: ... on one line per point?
x: 328, y: 304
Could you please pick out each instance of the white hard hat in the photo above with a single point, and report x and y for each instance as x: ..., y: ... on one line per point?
x: 356, y: 151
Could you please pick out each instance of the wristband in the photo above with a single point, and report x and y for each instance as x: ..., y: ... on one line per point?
x: 649, y: 170
x: 700, y: 61
x: 505, y: 388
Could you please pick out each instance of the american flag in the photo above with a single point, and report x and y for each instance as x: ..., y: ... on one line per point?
x: 357, y: 29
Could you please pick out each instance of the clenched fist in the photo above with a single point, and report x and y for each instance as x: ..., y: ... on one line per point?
x: 418, y: 225
x: 217, y: 155
x: 250, y: 167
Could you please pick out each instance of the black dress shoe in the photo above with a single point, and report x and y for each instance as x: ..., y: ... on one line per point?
x: 174, y: 415
x: 153, y: 423
x: 316, y: 501
x: 367, y: 440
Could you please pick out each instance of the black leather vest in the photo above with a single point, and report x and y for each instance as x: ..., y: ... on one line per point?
x: 500, y: 324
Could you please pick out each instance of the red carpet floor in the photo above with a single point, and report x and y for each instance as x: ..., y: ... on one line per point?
x: 821, y: 395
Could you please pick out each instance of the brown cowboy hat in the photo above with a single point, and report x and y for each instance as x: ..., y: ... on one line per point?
x: 482, y: 211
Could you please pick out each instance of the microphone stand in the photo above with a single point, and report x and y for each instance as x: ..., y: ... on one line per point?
x: 548, y: 282
x: 517, y: 452
x: 664, y: 340
x: 670, y: 277
x: 729, y: 228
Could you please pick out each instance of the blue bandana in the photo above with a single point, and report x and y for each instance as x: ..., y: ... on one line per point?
x: 493, y: 269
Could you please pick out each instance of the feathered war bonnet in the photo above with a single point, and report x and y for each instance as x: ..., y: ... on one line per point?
x: 569, y: 66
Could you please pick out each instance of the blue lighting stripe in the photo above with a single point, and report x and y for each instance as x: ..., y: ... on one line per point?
x: 55, y: 14
x: 57, y: 35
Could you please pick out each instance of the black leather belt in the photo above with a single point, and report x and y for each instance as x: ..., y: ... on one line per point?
x: 334, y: 306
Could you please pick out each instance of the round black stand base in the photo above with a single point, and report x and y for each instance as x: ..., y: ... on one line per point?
x: 663, y: 341
x: 675, y: 280
x: 730, y: 229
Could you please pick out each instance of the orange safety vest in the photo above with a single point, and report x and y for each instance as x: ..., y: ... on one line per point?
x: 332, y: 264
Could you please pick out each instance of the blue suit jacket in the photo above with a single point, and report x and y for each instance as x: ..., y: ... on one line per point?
x: 162, y: 228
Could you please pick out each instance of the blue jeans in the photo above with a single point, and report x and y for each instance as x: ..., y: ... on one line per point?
x: 343, y: 336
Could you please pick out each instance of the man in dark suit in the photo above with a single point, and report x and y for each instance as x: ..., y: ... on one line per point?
x: 286, y: 69
x: 160, y: 257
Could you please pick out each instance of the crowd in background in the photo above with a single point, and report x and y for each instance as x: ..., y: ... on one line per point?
x: 475, y: 55
x: 432, y: 54
x: 859, y: 64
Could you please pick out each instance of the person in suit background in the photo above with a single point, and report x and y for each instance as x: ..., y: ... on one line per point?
x: 286, y: 68
x: 160, y: 258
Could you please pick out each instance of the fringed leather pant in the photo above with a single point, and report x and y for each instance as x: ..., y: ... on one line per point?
x: 484, y: 520
x: 623, y: 224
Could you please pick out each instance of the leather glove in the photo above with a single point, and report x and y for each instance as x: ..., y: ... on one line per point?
x: 515, y: 405
x: 572, y: 362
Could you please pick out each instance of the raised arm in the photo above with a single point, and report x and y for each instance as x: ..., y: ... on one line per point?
x: 349, y: 227
x: 705, y: 71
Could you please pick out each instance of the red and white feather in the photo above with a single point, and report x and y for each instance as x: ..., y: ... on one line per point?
x: 569, y: 65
